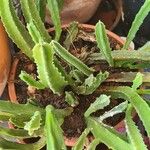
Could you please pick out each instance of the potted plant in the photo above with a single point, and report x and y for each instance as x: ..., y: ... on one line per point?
x: 73, y: 79
x: 40, y: 123
x: 5, y: 58
x: 34, y: 121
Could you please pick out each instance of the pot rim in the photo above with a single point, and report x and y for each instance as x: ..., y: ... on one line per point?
x: 11, y: 85
x: 119, y: 9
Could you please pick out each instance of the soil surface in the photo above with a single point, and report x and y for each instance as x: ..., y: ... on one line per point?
x: 75, y: 123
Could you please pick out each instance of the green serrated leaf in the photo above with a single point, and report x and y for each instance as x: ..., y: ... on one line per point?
x: 137, y: 81
x: 34, y: 32
x: 30, y: 80
x: 31, y: 14
x: 71, y: 99
x: 91, y: 83
x: 48, y: 73
x: 140, y: 16
x: 99, y: 103
x: 63, y: 72
x: 133, y: 132
x: 121, y: 135
x: 103, y: 42
x: 125, y: 77
x: 107, y: 137
x: 81, y: 140
x: 53, y: 7
x: 143, y: 91
x: 18, y: 109
x: 146, y: 47
x: 126, y: 58
x: 41, y: 7
x: 62, y: 113
x: 72, y: 32
x: 60, y: 4
x: 116, y: 110
x: 93, y: 144
x: 53, y: 131
x: 20, y: 120
x: 141, y: 107
x: 34, y: 123
x: 5, y: 145
x: 14, y: 133
x: 14, y: 28
x: 77, y: 75
x: 4, y: 118
x: 61, y: 51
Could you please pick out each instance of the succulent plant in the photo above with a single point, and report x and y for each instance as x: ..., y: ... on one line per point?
x: 35, y: 42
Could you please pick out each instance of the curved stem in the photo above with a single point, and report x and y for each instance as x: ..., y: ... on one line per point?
x: 125, y: 56
x: 61, y: 51
x: 4, y: 144
x: 138, y: 103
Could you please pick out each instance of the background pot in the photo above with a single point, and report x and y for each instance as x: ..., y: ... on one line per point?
x: 11, y: 85
x: 91, y: 11
x: 77, y: 10
x: 109, y: 12
x: 5, y: 58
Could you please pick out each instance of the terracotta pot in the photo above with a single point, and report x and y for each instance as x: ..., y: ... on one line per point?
x: 76, y: 10
x: 118, y: 5
x: 110, y: 16
x: 5, y: 58
x: 11, y: 86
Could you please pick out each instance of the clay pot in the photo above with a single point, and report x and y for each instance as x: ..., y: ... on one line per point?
x: 5, y: 58
x: 76, y: 10
x: 11, y: 86
x: 83, y: 11
x: 109, y: 12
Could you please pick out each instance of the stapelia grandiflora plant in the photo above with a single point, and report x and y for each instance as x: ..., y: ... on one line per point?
x: 132, y: 138
x: 138, y: 59
x: 32, y: 121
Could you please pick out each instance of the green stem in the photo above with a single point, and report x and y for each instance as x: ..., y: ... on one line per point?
x: 4, y: 144
x: 125, y: 77
x: 18, y: 109
x: 143, y: 92
x: 15, y: 133
x: 41, y: 7
x: 141, y: 15
x: 81, y: 140
x: 53, y: 7
x: 133, y: 132
x: 138, y: 103
x: 108, y: 138
x: 31, y: 15
x: 103, y: 42
x: 125, y: 56
x: 70, y: 58
x: 53, y: 131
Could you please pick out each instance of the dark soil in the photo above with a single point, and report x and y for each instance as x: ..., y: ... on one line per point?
x: 75, y: 123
